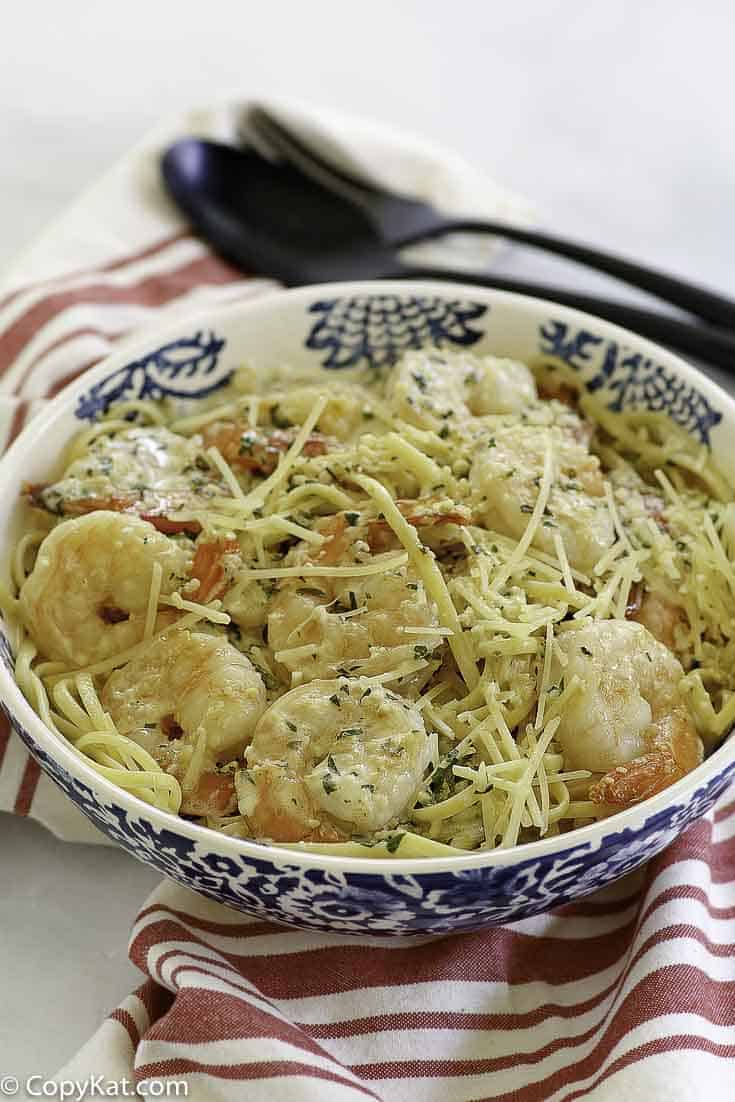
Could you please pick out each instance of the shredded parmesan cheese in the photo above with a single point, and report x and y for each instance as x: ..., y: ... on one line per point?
x: 378, y: 565
x: 153, y: 597
x: 535, y: 519
x: 430, y: 574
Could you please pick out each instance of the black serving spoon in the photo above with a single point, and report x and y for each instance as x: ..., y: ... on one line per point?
x: 402, y: 220
x: 273, y: 220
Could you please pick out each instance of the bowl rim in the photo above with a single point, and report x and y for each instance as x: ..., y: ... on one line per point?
x: 63, y: 752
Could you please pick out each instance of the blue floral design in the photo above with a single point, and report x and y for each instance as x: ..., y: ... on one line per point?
x: 376, y: 329
x: 184, y: 368
x: 276, y: 888
x: 633, y: 380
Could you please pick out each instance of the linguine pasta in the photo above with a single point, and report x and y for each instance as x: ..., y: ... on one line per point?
x: 454, y: 607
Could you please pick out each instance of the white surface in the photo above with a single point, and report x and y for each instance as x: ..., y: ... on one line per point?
x: 612, y: 116
x: 65, y: 916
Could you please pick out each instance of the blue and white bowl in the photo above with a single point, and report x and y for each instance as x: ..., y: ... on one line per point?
x: 337, y: 327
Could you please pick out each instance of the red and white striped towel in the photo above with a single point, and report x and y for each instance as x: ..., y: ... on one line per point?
x: 627, y: 994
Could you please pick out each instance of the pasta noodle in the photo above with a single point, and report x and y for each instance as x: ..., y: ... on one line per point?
x: 393, y: 616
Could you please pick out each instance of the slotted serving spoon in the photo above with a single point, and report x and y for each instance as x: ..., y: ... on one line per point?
x: 273, y: 220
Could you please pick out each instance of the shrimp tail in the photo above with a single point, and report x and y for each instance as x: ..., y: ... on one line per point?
x: 637, y: 780
x: 213, y: 795
x: 34, y: 494
x: 280, y: 808
x: 171, y: 527
x: 676, y: 750
x: 251, y: 450
x: 208, y: 567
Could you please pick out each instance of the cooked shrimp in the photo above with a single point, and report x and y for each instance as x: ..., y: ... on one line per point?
x: 317, y: 629
x: 193, y: 701
x: 322, y: 626
x: 350, y: 408
x: 209, y: 567
x: 419, y: 514
x: 342, y: 530
x: 629, y: 720
x: 665, y: 620
x: 333, y: 758
x: 427, y: 391
x: 257, y: 450
x: 505, y: 481
x: 87, y: 595
x: 147, y: 471
x: 197, y: 682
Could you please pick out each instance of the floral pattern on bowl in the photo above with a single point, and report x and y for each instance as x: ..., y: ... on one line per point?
x: 358, y: 326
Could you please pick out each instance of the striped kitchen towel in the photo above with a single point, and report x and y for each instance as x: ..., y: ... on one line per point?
x: 629, y: 994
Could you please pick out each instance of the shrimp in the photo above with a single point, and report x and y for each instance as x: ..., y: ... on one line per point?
x: 249, y: 449
x: 189, y: 696
x: 665, y: 620
x: 629, y: 720
x: 197, y: 682
x: 428, y: 392
x: 209, y: 567
x: 349, y: 410
x: 333, y: 758
x: 343, y: 529
x: 147, y: 471
x: 505, y: 480
x: 87, y: 595
x: 318, y: 628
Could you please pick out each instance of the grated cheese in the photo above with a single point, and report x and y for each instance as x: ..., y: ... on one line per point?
x: 427, y: 569
x: 545, y: 677
x: 535, y: 519
x: 566, y: 571
x: 153, y: 597
x: 377, y: 565
x: 261, y: 493
x: 211, y: 612
x: 217, y: 460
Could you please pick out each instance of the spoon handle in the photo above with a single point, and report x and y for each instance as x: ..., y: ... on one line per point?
x: 706, y: 304
x: 702, y: 342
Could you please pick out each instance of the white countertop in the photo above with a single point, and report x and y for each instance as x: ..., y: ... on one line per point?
x: 612, y: 117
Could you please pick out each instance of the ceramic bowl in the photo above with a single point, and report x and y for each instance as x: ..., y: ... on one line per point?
x: 337, y: 327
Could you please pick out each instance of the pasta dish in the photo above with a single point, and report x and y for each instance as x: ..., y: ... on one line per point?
x: 454, y: 605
